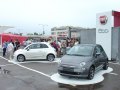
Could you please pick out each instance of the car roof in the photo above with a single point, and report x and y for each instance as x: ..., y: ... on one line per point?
x: 40, y: 43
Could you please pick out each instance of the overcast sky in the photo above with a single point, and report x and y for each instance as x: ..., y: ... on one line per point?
x: 26, y: 15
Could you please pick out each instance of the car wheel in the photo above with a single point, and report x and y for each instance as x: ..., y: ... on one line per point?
x: 91, y: 73
x: 50, y: 57
x: 105, y: 67
x: 60, y: 85
x: 20, y: 58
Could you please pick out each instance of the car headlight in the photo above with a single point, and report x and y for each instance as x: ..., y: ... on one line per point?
x: 59, y: 61
x: 82, y: 64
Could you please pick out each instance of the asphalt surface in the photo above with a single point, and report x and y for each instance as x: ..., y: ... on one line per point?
x: 36, y: 76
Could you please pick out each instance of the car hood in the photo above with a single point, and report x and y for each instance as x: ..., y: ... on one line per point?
x: 19, y: 51
x: 72, y: 60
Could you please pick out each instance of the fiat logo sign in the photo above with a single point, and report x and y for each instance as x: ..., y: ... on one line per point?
x: 103, y: 19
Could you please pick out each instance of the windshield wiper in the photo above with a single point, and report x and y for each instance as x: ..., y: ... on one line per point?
x: 75, y: 55
x: 68, y: 54
x: 78, y: 55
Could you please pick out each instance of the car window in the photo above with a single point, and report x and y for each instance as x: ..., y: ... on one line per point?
x: 44, y: 46
x: 98, y: 50
x: 34, y: 46
x: 81, y: 50
x: 102, y: 51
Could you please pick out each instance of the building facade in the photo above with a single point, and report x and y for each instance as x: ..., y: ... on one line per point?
x: 65, y: 31
x: 74, y: 32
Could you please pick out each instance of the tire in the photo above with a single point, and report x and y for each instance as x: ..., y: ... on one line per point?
x: 50, y: 57
x: 105, y: 67
x: 91, y: 73
x: 20, y: 58
x: 60, y: 85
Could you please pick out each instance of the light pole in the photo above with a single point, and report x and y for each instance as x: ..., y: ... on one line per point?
x: 43, y: 26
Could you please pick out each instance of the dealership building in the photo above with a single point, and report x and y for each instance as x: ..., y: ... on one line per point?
x: 72, y: 32
x: 106, y: 33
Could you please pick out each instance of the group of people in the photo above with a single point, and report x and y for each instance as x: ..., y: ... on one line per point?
x: 61, y: 46
x: 10, y: 47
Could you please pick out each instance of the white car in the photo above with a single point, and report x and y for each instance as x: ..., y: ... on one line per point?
x: 39, y: 50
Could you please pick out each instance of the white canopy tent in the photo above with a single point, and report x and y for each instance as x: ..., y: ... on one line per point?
x: 3, y: 28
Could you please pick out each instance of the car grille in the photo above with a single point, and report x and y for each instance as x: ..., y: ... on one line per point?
x: 68, y: 69
x: 70, y: 73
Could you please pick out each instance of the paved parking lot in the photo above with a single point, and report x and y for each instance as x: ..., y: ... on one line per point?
x: 36, y: 76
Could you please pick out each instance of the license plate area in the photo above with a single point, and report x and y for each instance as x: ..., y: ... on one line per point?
x: 68, y: 69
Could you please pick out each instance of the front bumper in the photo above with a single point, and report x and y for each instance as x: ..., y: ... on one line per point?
x: 73, y: 72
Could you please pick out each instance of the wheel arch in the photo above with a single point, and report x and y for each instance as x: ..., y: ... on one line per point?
x: 50, y: 54
x: 22, y: 55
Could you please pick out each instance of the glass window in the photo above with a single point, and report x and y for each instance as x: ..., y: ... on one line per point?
x: 44, y: 46
x: 34, y: 46
x: 98, y: 50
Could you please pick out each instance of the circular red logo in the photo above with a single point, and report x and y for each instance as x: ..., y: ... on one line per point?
x: 103, y: 19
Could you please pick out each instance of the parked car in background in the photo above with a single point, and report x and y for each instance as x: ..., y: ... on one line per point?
x: 83, y: 60
x: 38, y: 50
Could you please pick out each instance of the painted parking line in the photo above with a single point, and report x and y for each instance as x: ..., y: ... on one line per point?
x: 33, y: 70
x: 4, y: 58
x: 6, y: 65
x: 15, y: 63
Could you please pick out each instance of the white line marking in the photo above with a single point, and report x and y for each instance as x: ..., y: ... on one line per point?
x: 6, y: 65
x: 33, y: 70
x: 4, y: 58
x: 114, y: 74
x: 115, y: 63
x: 26, y: 67
x: 32, y: 62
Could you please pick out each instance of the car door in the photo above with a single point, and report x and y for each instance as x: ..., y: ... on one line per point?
x: 44, y: 49
x: 99, y: 57
x: 103, y: 56
x: 96, y: 58
x: 33, y: 51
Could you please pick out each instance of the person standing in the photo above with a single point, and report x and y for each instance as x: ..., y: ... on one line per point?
x: 76, y: 42
x: 59, y: 48
x: 10, y: 50
x: 63, y: 48
x: 16, y: 45
x: 4, y: 48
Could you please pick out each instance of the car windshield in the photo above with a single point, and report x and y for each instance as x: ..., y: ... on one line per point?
x: 81, y: 50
